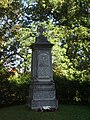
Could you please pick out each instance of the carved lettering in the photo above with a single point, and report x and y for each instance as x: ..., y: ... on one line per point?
x: 43, y: 65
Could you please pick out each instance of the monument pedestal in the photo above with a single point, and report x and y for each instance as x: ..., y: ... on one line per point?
x: 42, y: 94
x: 42, y: 88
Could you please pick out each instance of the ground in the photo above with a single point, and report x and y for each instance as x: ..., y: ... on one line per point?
x: 64, y: 112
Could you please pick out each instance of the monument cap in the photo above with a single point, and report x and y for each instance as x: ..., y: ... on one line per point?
x: 41, y: 40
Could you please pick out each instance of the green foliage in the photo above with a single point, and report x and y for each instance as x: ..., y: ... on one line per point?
x: 20, y: 79
x: 3, y: 72
x: 70, y: 51
x: 5, y: 3
x: 72, y: 92
x: 21, y: 41
x: 12, y: 91
x: 67, y: 26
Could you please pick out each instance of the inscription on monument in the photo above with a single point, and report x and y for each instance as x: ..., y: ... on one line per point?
x: 43, y: 65
x: 44, y: 94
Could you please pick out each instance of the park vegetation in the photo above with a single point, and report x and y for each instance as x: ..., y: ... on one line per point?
x: 67, y: 26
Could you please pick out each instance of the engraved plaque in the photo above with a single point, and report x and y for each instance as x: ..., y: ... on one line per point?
x: 44, y: 95
x: 43, y: 65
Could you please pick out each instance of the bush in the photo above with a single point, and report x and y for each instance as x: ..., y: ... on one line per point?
x: 11, y: 92
x: 72, y: 92
x: 14, y: 91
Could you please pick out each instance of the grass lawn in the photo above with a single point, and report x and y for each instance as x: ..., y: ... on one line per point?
x: 64, y: 112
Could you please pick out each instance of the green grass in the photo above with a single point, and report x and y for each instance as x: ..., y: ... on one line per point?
x: 64, y: 112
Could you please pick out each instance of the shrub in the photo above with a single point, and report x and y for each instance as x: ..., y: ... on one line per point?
x: 15, y: 90
x: 10, y: 91
x: 72, y: 91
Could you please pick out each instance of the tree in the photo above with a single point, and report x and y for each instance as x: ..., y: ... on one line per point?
x: 67, y: 24
x: 9, y: 14
x: 5, y: 3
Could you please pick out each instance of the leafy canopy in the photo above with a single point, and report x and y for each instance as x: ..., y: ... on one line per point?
x: 67, y: 25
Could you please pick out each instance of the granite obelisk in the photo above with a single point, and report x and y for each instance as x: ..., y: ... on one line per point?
x: 42, y: 88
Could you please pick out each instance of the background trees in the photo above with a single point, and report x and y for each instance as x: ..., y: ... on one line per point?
x: 67, y: 24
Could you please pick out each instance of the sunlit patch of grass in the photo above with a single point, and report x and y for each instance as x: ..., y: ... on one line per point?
x: 64, y: 112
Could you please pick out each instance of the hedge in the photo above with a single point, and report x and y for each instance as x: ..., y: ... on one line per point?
x: 68, y: 92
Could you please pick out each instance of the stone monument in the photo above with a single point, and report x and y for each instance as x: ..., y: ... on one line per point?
x: 42, y: 88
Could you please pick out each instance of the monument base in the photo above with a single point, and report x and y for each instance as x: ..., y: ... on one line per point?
x: 42, y: 95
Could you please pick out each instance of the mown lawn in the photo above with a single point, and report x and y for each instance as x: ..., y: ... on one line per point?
x: 64, y: 112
